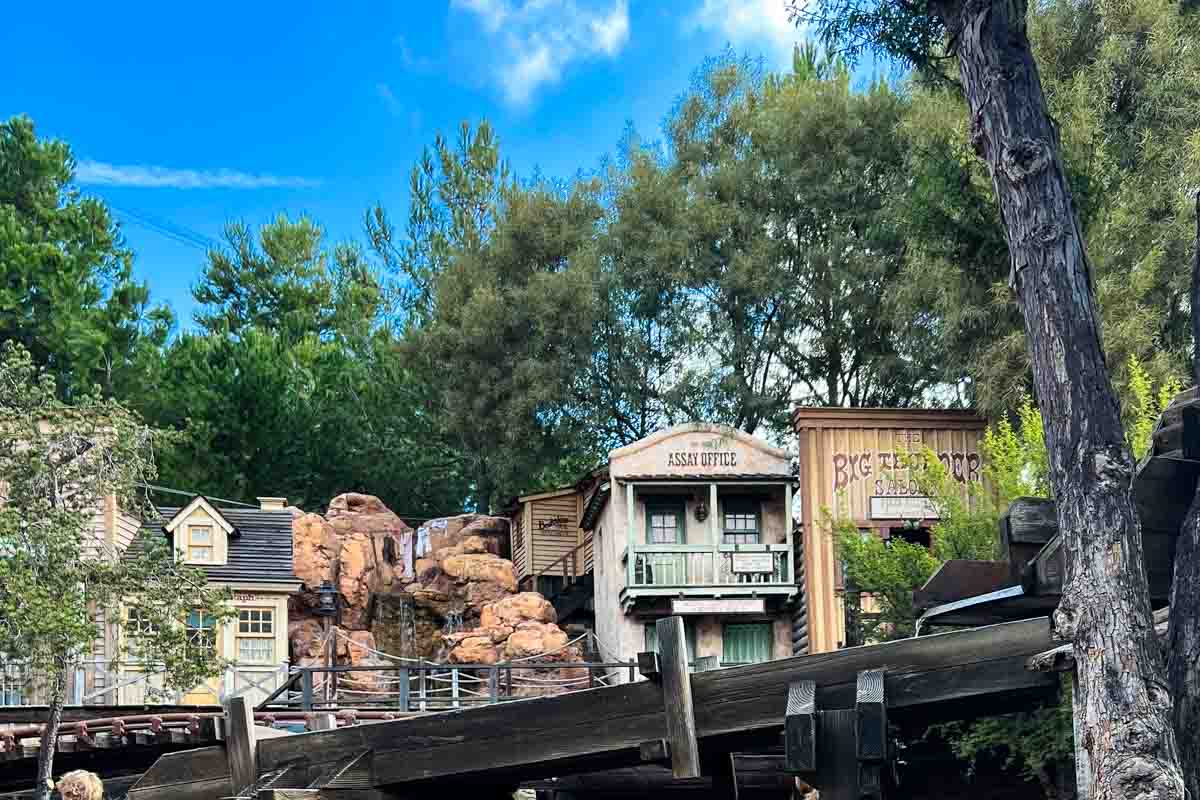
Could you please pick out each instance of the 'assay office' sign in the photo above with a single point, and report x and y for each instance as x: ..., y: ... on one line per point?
x: 700, y: 455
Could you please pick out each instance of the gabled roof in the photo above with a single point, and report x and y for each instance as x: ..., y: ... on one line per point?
x: 261, y: 553
x: 199, y: 501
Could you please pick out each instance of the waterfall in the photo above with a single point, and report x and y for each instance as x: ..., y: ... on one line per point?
x: 408, y: 628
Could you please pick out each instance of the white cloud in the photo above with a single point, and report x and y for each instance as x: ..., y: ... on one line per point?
x: 148, y: 176
x: 754, y: 25
x: 385, y: 93
x: 536, y: 40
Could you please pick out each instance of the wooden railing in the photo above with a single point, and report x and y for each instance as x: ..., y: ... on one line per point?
x: 574, y: 564
x: 423, y: 686
x: 682, y: 565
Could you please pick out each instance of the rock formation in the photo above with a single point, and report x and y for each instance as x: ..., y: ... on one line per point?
x: 458, y: 603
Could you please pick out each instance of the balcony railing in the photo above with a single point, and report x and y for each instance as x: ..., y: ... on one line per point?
x: 663, y: 566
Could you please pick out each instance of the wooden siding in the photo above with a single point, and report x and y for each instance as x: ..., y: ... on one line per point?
x: 554, y: 532
x: 520, y: 549
x: 125, y: 530
x: 848, y: 456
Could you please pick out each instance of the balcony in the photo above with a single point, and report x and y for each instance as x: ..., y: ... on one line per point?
x: 711, y: 571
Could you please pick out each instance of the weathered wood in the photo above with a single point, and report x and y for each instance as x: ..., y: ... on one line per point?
x: 649, y: 666
x: 23, y: 715
x: 760, y: 776
x: 677, y: 698
x: 1025, y: 527
x: 200, y: 774
x: 655, y: 750
x: 871, y: 734
x: 958, y: 579
x: 241, y: 743
x: 837, y: 768
x: 800, y: 727
x: 572, y: 732
x: 322, y: 722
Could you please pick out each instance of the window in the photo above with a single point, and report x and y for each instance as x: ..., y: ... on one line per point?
x: 664, y: 523
x: 200, y: 543
x: 256, y: 620
x: 740, y: 521
x: 689, y: 635
x: 256, y: 636
x: 201, y: 631
x: 137, y: 623
x: 746, y: 643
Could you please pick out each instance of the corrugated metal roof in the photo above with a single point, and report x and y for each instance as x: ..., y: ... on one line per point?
x: 260, y: 552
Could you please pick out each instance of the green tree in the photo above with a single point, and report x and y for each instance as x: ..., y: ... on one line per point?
x: 508, y: 331
x: 283, y: 278
x: 58, y: 463
x: 67, y: 293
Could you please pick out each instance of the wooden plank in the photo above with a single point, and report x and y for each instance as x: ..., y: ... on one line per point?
x: 677, y: 698
x: 1025, y: 527
x: 800, y: 727
x: 871, y: 734
x: 558, y: 735
x: 18, y: 715
x: 759, y: 775
x: 241, y: 743
x: 200, y: 774
x: 837, y: 768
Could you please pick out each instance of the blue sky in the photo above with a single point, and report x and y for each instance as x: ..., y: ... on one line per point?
x: 191, y: 114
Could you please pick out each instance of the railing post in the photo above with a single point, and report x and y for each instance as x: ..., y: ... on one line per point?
x: 403, y: 689
x: 77, y: 689
x: 454, y: 686
x: 509, y: 677
x: 306, y: 688
x: 633, y: 670
x: 423, y: 689
x: 494, y: 683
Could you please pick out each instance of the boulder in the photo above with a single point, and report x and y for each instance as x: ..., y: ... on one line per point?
x: 475, y: 650
x: 481, y: 567
x: 532, y: 639
x: 526, y: 606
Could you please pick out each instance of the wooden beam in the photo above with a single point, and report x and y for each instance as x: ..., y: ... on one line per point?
x: 871, y: 734
x: 649, y: 666
x: 800, y: 727
x: 837, y: 768
x: 677, y: 698
x: 759, y: 775
x: 241, y: 743
x: 1025, y: 527
x: 199, y: 774
x: 31, y: 715
x: 573, y: 732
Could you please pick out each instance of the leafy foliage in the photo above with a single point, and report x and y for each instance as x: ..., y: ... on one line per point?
x: 59, y: 463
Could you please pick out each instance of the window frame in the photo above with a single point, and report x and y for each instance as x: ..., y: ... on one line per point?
x: 663, y: 505
x: 741, y: 506
x: 136, y: 623
x: 206, y: 622
x: 211, y: 547
x: 266, y: 616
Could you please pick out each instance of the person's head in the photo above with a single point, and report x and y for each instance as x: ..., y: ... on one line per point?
x: 80, y: 785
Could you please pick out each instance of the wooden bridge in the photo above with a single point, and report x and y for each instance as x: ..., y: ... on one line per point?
x: 718, y: 730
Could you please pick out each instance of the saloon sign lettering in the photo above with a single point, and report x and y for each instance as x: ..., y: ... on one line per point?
x: 889, y: 470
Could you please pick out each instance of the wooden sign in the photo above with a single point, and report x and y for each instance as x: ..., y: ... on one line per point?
x: 910, y: 507
x: 733, y: 605
x: 753, y: 563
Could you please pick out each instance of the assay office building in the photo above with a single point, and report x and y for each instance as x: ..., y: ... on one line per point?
x: 719, y: 527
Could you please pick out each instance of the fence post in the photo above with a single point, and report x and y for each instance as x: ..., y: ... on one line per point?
x: 508, y: 675
x: 77, y: 689
x: 494, y: 683
x: 306, y: 688
x: 454, y: 686
x: 632, y: 671
x: 591, y: 677
x: 423, y: 688
x: 404, y: 689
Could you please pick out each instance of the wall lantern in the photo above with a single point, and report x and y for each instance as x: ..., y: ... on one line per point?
x: 327, y: 598
x: 701, y: 509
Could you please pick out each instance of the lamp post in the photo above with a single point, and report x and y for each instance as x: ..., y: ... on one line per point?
x: 327, y: 608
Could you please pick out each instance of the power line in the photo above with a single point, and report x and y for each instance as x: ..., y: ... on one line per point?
x: 178, y: 233
x: 165, y: 490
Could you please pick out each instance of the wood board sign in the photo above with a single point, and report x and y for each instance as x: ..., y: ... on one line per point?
x: 733, y: 605
x: 903, y: 507
x: 753, y: 563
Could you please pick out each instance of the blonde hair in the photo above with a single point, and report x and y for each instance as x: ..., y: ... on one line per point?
x: 80, y: 785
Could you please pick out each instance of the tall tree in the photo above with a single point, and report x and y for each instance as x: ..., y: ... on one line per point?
x: 1122, y: 707
x: 508, y: 330
x: 67, y: 292
x: 58, y: 465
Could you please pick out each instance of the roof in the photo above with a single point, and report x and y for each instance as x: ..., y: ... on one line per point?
x: 713, y: 477
x: 840, y: 417
x: 262, y: 553
x: 695, y: 427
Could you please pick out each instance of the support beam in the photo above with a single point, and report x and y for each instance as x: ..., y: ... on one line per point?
x: 677, y: 698
x: 788, y: 525
x: 714, y: 516
x: 241, y: 743
x: 757, y: 775
x: 837, y: 767
x: 871, y: 733
x: 630, y: 533
x: 800, y: 728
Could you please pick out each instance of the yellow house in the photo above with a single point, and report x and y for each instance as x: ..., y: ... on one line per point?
x: 248, y: 550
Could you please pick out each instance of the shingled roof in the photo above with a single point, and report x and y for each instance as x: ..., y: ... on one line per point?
x: 260, y: 551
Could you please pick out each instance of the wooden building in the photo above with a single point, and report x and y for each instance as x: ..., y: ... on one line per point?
x: 693, y: 521
x: 545, y: 536
x: 853, y: 466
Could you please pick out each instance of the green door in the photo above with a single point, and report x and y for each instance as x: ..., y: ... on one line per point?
x: 746, y: 643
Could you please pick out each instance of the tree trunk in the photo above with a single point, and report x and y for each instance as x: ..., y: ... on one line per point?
x: 45, y: 768
x: 1122, y: 705
x: 1183, y: 652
